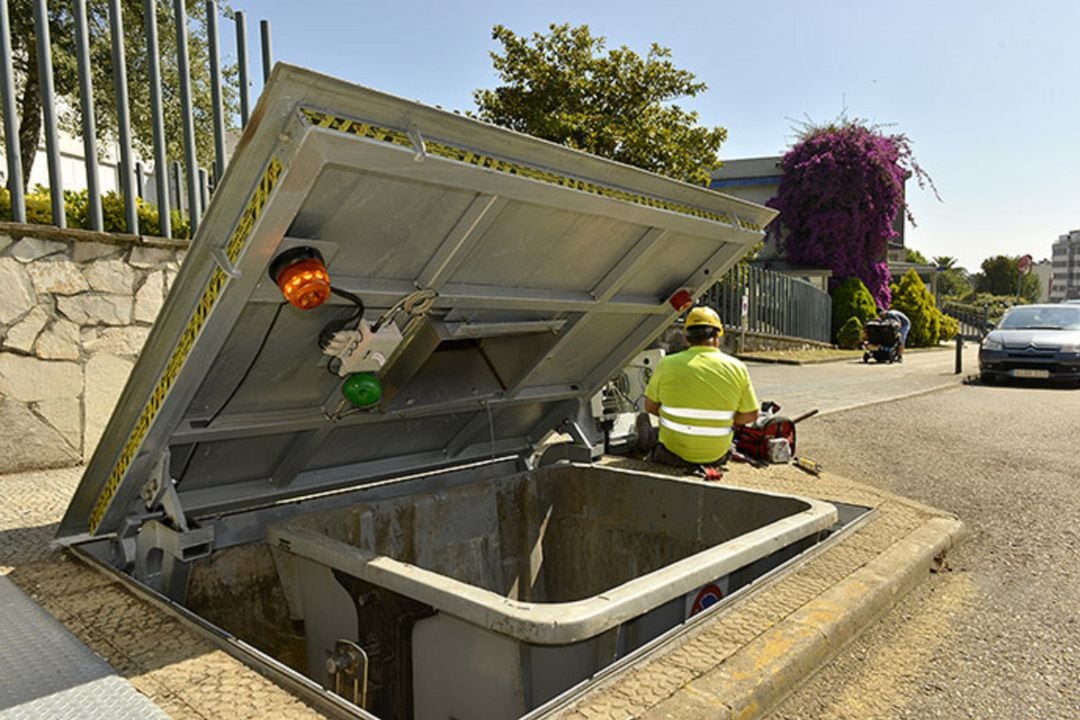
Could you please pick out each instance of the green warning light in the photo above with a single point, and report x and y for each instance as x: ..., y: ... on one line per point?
x: 362, y: 389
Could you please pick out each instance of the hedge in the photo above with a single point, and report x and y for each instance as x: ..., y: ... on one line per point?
x: 77, y: 209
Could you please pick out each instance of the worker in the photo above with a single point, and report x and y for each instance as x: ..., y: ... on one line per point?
x: 699, y: 394
x: 905, y: 327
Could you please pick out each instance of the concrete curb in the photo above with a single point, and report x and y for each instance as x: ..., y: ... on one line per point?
x: 750, y: 357
x: 755, y: 680
x: 795, y: 363
x: 958, y: 382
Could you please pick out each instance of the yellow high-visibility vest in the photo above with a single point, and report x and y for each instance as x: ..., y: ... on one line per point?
x: 699, y: 390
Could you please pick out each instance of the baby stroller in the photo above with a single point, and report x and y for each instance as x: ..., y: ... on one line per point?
x: 881, y: 341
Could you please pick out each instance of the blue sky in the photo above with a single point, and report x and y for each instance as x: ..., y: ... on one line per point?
x: 988, y: 91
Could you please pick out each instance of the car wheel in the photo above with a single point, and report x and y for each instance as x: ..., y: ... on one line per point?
x: 987, y: 379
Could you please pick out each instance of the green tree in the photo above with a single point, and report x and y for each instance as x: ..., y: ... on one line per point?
x: 65, y: 76
x: 953, y: 280
x: 999, y: 275
x: 912, y: 255
x: 564, y: 87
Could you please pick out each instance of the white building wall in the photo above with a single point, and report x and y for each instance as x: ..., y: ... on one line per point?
x: 1044, y: 270
x: 1065, y: 259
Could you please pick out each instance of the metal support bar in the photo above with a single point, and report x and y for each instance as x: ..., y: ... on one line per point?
x: 571, y: 330
x: 239, y: 425
x: 178, y: 185
x: 48, y: 104
x: 89, y: 131
x: 468, y: 230
x: 470, y: 430
x: 554, y: 300
x: 204, y: 189
x: 191, y: 163
x: 226, y: 265
x: 383, y: 293
x: 267, y: 55
x: 163, y: 556
x: 11, y: 119
x: 502, y: 329
x: 157, y: 118
x: 633, y: 343
x: 139, y: 174
x: 627, y: 265
x: 159, y: 492
x: 215, y: 88
x: 242, y: 66
x: 123, y: 117
x: 302, y: 448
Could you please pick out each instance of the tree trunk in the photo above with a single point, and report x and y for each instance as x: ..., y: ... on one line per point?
x: 30, y: 122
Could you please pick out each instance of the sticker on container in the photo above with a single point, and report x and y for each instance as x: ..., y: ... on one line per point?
x: 706, y: 597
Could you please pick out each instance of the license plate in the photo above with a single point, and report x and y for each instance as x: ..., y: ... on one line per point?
x: 1031, y: 373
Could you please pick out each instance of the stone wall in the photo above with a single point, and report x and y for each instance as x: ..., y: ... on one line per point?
x: 75, y: 310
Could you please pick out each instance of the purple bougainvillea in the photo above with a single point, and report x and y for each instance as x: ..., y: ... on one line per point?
x: 841, y: 188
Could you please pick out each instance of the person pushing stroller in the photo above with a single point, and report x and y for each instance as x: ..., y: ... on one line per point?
x: 905, y: 327
x: 886, y: 337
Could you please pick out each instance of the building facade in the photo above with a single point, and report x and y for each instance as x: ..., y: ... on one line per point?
x: 1065, y: 258
x: 1044, y: 270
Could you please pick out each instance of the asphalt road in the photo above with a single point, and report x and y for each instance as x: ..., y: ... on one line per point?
x: 996, y: 635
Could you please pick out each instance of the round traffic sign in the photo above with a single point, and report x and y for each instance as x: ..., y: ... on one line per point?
x: 706, y: 597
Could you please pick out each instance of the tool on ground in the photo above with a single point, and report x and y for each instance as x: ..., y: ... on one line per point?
x: 808, y: 465
x: 710, y: 473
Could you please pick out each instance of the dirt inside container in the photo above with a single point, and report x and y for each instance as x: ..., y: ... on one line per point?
x: 238, y: 590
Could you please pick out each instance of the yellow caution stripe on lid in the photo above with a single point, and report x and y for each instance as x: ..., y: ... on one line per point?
x: 451, y: 152
x: 209, y: 298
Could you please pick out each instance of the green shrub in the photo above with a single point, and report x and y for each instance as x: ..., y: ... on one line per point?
x: 950, y: 327
x: 77, y: 212
x: 996, y: 305
x: 851, y: 299
x: 851, y: 334
x: 914, y: 300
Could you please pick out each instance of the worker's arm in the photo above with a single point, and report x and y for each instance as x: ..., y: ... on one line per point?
x: 745, y: 418
x: 747, y: 410
x: 652, y: 407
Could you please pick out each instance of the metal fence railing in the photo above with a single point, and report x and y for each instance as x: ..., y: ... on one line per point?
x: 186, y: 174
x: 776, y: 304
x: 974, y: 319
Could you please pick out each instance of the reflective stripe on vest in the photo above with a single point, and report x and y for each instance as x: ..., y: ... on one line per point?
x: 694, y: 429
x: 696, y: 414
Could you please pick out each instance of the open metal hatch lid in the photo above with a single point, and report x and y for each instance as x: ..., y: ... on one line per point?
x: 541, y: 271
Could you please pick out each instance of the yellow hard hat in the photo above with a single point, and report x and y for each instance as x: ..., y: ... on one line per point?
x: 704, y: 315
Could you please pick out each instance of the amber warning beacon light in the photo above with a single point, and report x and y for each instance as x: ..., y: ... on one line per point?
x: 301, y: 275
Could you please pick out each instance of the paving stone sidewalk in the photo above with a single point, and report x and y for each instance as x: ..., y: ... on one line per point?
x: 183, y: 674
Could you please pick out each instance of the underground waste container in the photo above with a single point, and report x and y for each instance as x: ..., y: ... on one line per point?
x: 330, y: 439
x: 517, y: 587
